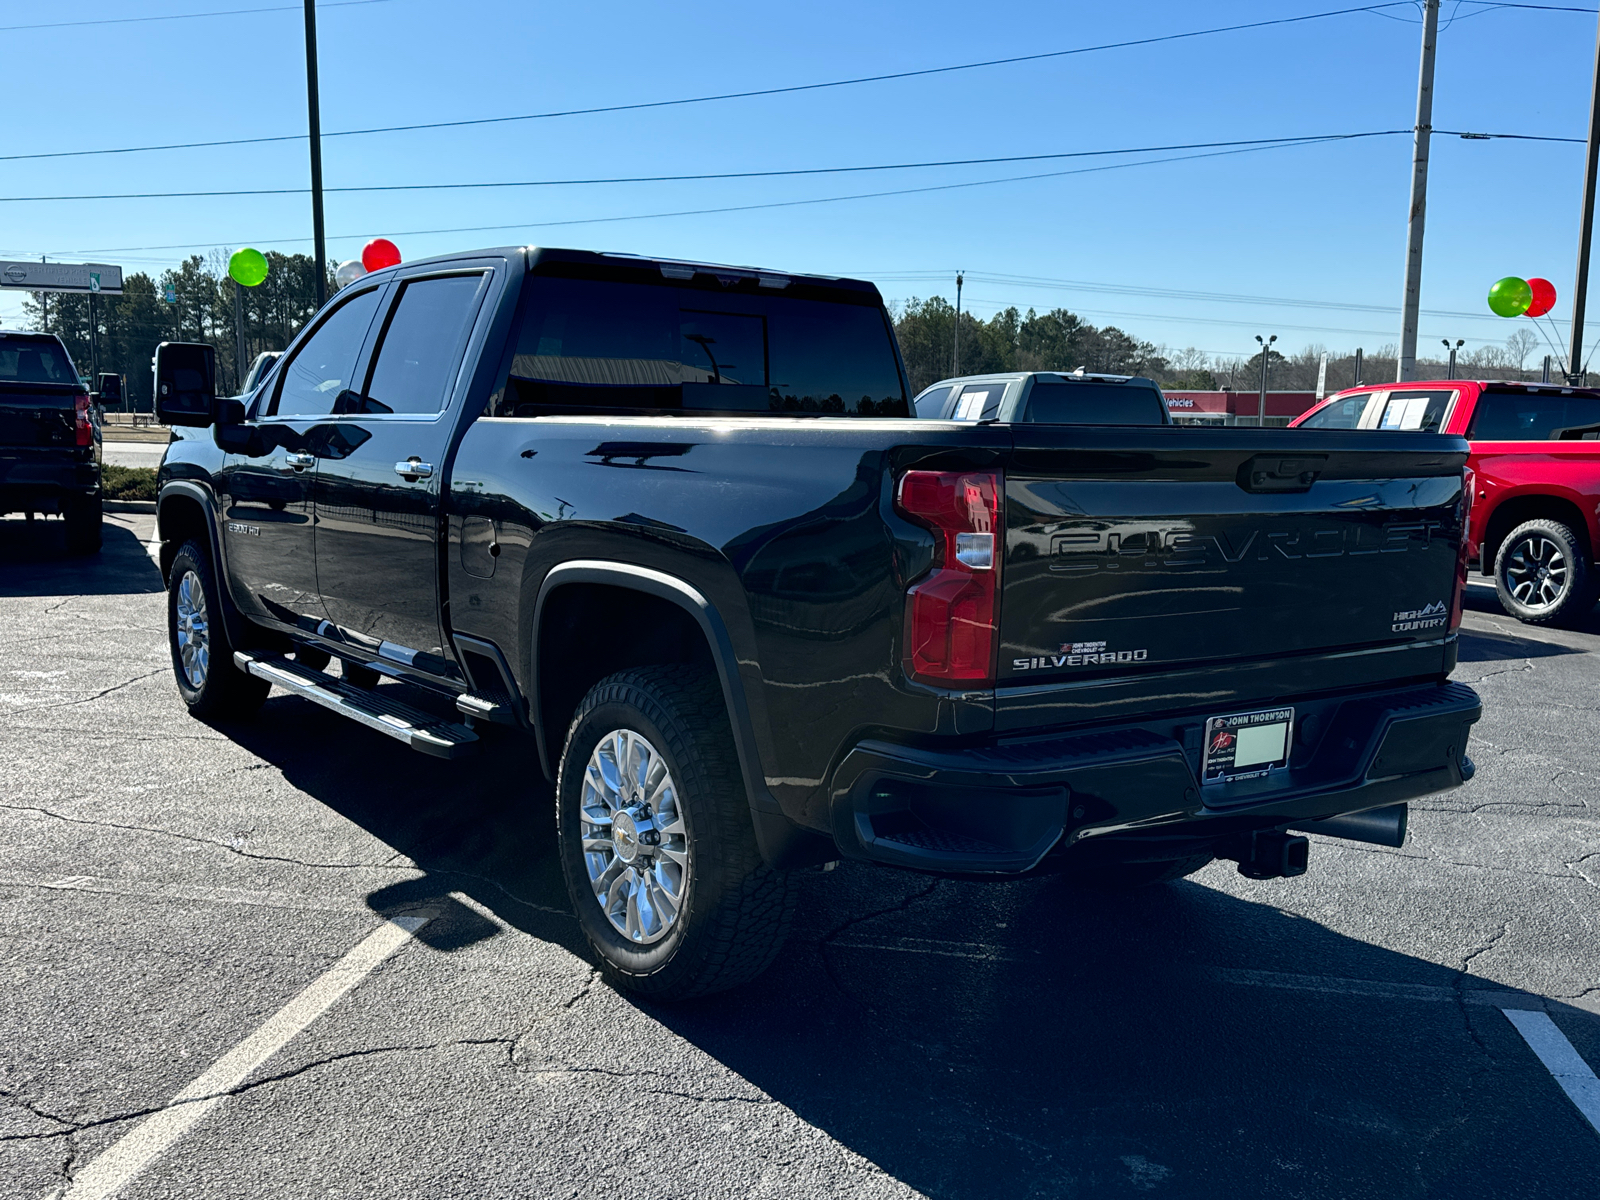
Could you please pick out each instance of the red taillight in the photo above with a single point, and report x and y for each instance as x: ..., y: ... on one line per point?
x: 950, y: 613
x: 1469, y: 486
x: 81, y: 421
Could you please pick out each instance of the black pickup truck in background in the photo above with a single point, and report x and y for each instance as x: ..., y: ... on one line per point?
x: 674, y: 523
x: 49, y: 437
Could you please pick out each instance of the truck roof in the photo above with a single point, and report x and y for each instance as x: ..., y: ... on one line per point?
x: 1506, y: 384
x: 671, y: 268
x: 1079, y: 376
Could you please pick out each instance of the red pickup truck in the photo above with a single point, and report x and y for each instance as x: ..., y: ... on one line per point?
x: 1535, y: 523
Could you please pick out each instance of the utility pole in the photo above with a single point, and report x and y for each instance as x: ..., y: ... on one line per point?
x: 1580, y: 289
x: 1358, y: 366
x: 1419, y: 195
x: 238, y: 334
x: 1266, y: 353
x: 955, y: 354
x: 314, y: 106
x: 94, y: 348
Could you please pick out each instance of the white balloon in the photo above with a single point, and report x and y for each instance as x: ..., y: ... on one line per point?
x: 348, y: 272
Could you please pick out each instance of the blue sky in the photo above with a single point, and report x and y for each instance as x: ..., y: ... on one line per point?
x: 1323, y: 225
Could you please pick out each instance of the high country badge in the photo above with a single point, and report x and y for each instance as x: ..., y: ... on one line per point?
x: 1432, y: 617
x: 1079, y: 654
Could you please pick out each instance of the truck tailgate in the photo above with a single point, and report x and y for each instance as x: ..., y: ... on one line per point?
x: 37, y: 414
x: 1137, y: 551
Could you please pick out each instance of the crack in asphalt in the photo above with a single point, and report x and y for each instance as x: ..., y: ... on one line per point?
x: 76, y: 1127
x: 12, y: 1098
x: 645, y: 1073
x: 116, y: 687
x: 200, y: 841
x: 828, y: 938
x: 1384, y: 851
x: 1523, y: 669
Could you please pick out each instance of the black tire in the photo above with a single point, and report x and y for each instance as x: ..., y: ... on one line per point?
x: 220, y: 689
x: 357, y: 675
x: 1543, y: 575
x: 733, y: 911
x: 83, y: 516
x: 1111, y: 876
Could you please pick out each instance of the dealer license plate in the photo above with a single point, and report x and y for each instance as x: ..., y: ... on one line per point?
x: 1247, y: 745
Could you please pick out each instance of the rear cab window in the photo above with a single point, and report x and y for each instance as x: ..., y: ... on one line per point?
x: 1535, y: 417
x: 1094, y: 403
x: 699, y: 345
x: 35, y: 360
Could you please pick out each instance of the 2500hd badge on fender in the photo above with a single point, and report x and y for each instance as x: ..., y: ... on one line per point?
x: 674, y: 525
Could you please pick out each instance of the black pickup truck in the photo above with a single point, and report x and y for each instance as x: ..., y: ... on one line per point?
x: 675, y: 523
x: 49, y: 437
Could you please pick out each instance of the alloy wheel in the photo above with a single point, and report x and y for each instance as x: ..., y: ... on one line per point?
x: 193, y: 630
x: 1536, y: 572
x: 635, y: 842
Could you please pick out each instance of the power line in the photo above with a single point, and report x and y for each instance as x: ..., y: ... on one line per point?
x: 1513, y: 137
x: 230, y: 12
x: 707, y: 176
x: 1075, y: 285
x: 745, y: 95
x: 943, y: 187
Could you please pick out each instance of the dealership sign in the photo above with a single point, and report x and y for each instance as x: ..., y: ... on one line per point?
x: 61, y: 277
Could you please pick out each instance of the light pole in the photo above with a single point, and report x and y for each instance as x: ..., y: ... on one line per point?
x: 1460, y: 342
x: 314, y: 108
x: 955, y: 353
x: 1266, y: 353
x: 1580, y: 289
x: 1412, y: 298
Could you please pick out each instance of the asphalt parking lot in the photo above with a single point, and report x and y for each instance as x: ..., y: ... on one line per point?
x: 170, y: 889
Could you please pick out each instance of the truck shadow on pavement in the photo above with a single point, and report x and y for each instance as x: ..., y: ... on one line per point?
x: 34, y: 562
x: 1024, y: 1038
x: 1478, y: 645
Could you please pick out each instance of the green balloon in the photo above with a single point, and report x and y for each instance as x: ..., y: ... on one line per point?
x: 249, y: 267
x: 1510, y: 297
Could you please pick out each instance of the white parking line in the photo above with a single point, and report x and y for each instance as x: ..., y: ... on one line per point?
x: 1559, y: 1057
x: 119, y: 1163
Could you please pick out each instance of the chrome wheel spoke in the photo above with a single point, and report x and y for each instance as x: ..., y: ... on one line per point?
x: 633, y: 837
x: 192, y: 631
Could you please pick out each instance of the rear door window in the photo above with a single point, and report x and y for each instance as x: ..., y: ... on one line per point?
x: 931, y: 402
x: 592, y: 344
x: 1344, y: 413
x: 421, y: 347
x: 1423, y: 411
x: 978, y: 401
x: 1094, y: 404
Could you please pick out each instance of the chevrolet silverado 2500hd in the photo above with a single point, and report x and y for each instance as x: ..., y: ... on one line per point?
x: 675, y: 524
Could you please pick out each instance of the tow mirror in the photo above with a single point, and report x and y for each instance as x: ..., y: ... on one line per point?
x: 186, y: 383
x: 108, y: 389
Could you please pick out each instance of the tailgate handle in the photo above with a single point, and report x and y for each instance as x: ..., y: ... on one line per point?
x: 1281, y: 472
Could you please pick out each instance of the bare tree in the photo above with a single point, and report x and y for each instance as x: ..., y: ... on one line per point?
x: 1518, y: 346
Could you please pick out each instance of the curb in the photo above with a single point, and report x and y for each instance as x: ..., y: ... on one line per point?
x: 138, y: 506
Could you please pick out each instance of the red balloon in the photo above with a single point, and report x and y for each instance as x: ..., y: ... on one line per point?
x: 1544, y: 297
x: 380, y: 253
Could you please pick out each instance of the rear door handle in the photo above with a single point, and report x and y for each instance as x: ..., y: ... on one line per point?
x: 414, y: 468
x: 300, y: 461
